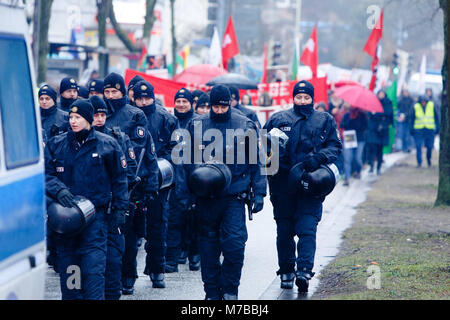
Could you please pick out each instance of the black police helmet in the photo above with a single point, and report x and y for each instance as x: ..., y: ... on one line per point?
x: 318, y: 183
x: 166, y: 173
x: 70, y: 221
x: 208, y: 180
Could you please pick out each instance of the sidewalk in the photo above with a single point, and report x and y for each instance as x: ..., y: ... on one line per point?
x: 398, y: 246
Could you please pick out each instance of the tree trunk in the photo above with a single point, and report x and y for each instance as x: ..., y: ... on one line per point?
x: 44, y: 21
x: 149, y: 19
x: 102, y: 14
x: 443, y: 197
x: 123, y: 36
x: 174, y: 39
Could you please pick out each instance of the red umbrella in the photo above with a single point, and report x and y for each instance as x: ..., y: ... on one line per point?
x: 359, y: 97
x: 199, y: 74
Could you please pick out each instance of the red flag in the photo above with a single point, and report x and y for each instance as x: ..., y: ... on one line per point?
x: 373, y: 48
x: 310, y: 55
x: 230, y: 46
x: 372, y: 43
x: 264, y: 76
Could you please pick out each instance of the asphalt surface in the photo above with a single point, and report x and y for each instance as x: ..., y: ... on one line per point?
x: 259, y: 280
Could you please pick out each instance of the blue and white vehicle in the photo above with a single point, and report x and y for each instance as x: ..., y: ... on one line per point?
x: 22, y: 180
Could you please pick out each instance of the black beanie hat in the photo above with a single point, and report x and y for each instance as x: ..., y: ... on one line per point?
x: 203, y: 101
x: 234, y: 91
x: 143, y: 89
x: 98, y: 104
x: 84, y: 108
x: 196, y: 94
x: 184, y: 93
x: 67, y: 83
x: 83, y: 92
x: 220, y: 96
x: 134, y: 80
x: 49, y: 91
x: 96, y: 85
x: 303, y: 87
x: 115, y: 81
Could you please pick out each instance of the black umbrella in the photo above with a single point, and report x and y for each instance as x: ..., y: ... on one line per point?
x: 236, y: 79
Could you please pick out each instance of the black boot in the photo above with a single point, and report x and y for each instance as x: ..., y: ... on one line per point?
x: 302, y: 281
x: 229, y: 296
x: 194, y: 262
x: 128, y: 286
x: 287, y: 280
x: 183, y: 257
x: 158, y: 280
x: 170, y: 268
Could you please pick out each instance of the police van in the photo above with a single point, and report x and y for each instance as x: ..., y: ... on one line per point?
x: 22, y: 180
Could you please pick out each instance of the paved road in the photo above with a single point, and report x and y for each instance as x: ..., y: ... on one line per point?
x: 259, y: 280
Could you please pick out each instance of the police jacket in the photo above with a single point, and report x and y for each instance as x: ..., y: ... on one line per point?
x: 249, y: 113
x: 127, y: 149
x: 54, y: 121
x: 246, y: 175
x: 184, y: 118
x: 309, y: 133
x: 95, y: 169
x: 161, y: 125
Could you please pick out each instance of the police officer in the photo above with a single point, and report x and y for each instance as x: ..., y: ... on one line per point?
x: 96, y: 88
x: 54, y: 120
x: 182, y: 232
x: 161, y: 125
x: 222, y: 228
x: 246, y: 111
x: 195, y: 96
x: 83, y: 92
x: 133, y: 122
x: 203, y: 106
x: 116, y: 240
x: 313, y: 141
x: 87, y: 163
x: 68, y: 90
x: 131, y: 84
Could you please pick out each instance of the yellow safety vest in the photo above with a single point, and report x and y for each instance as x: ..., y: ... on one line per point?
x: 424, y: 120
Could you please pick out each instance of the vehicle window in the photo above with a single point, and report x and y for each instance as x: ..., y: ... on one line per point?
x: 17, y: 104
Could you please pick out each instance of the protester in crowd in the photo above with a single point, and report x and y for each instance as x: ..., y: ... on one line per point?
x: 354, y: 124
x: 405, y: 107
x: 246, y: 100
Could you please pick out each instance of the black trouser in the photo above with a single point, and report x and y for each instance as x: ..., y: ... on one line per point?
x: 375, y: 151
x: 134, y: 230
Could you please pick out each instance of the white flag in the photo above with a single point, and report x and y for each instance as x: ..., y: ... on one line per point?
x: 215, y: 51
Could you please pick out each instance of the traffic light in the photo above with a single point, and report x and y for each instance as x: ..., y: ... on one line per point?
x: 276, y: 53
x: 395, y: 68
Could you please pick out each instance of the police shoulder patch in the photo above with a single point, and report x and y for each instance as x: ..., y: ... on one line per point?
x: 131, y: 153
x: 123, y: 162
x: 140, y: 131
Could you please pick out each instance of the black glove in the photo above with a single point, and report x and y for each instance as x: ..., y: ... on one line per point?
x: 312, y: 163
x: 257, y: 203
x: 65, y: 198
x: 119, y: 216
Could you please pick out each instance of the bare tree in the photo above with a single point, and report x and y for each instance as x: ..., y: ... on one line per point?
x: 44, y: 21
x: 149, y: 18
x: 102, y: 14
x: 443, y: 197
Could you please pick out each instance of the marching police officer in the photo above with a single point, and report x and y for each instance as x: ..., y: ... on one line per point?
x: 195, y: 96
x: 84, y: 162
x: 83, y: 92
x: 133, y: 122
x: 203, y: 106
x: 68, y: 90
x: 96, y: 88
x: 116, y: 240
x: 221, y: 215
x: 54, y: 120
x: 246, y: 111
x: 182, y: 232
x: 131, y: 84
x: 313, y: 141
x: 161, y: 125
